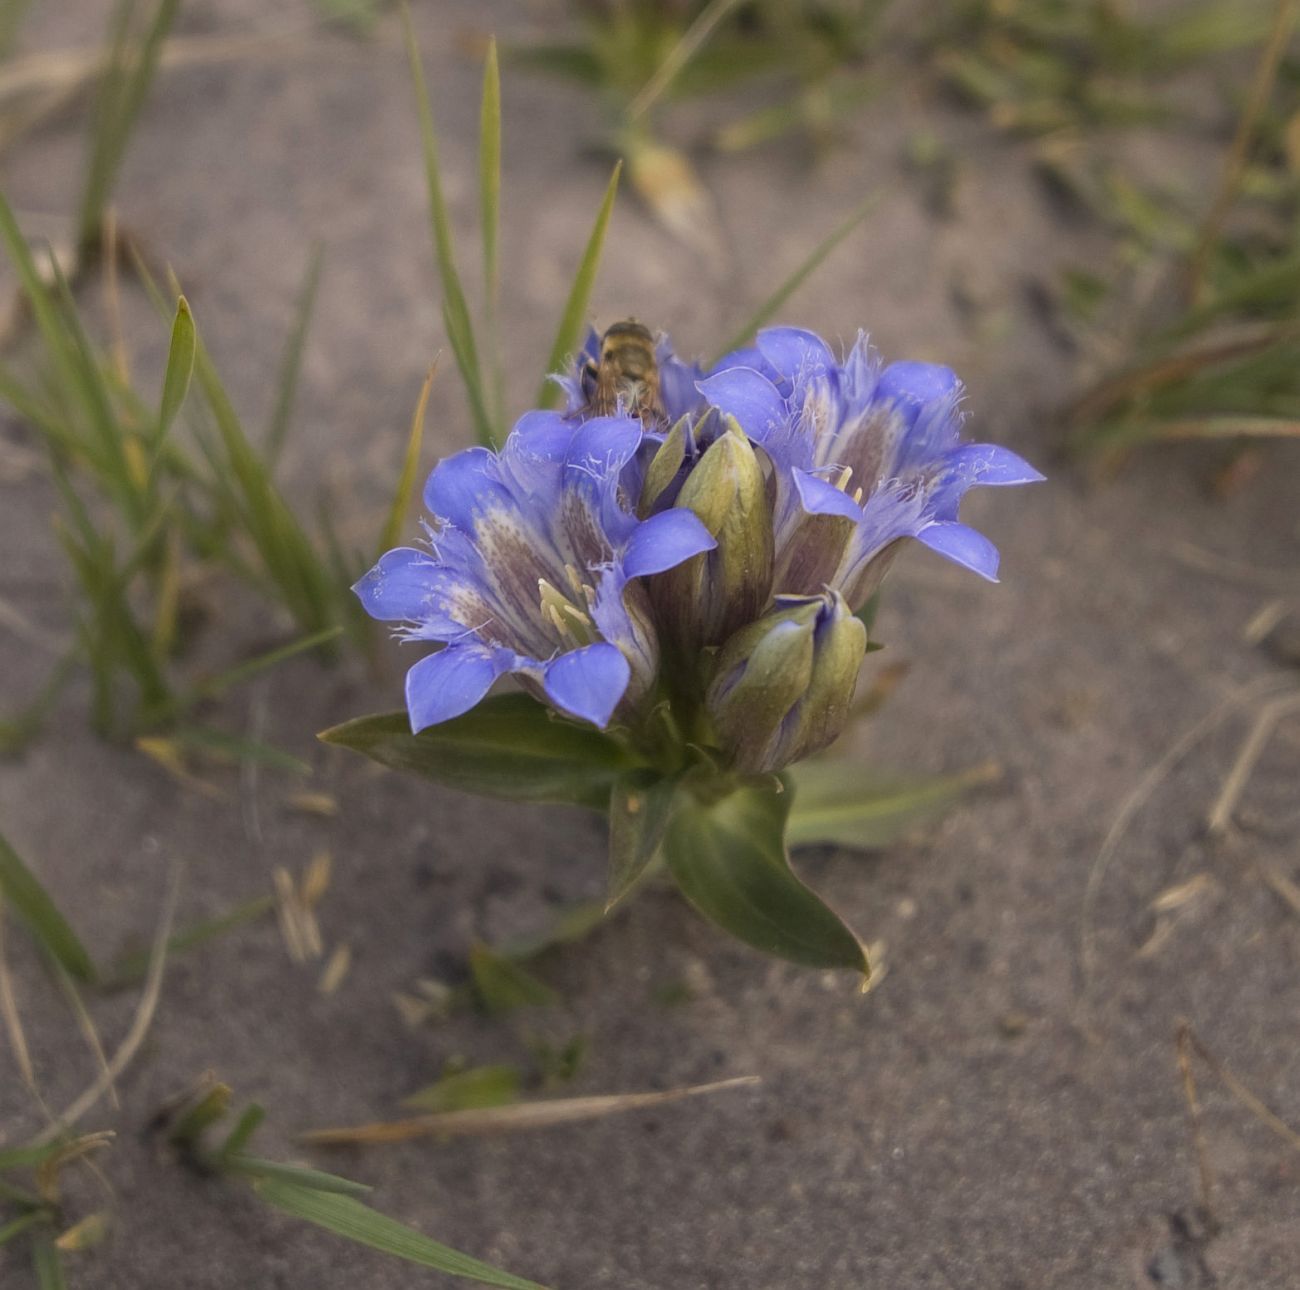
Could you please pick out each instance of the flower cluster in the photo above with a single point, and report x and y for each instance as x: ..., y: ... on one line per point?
x: 702, y: 569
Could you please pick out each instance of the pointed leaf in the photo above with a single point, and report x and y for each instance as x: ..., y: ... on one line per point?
x: 508, y: 746
x: 286, y: 386
x: 763, y: 314
x: 502, y: 985
x: 180, y: 366
x: 410, y: 468
x: 455, y: 310
x: 729, y: 859
x: 841, y: 803
x: 640, y: 807
x: 348, y: 1217
x: 575, y: 308
x: 39, y: 912
x: 473, y: 1089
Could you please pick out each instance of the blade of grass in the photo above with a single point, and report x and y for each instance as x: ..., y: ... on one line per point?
x: 455, y: 311
x: 180, y: 367
x: 575, y: 308
x: 813, y: 261
x: 47, y: 1264
x: 489, y: 171
x: 242, y: 1133
x: 348, y: 1217
x: 515, y: 1117
x: 238, y: 675
x: 130, y: 969
x: 139, y: 1028
x: 42, y: 917
x: 681, y: 53
x: 130, y: 71
x: 410, y: 466
x: 286, y: 386
x: 9, y: 1231
x: 295, y: 1175
x: 1234, y: 165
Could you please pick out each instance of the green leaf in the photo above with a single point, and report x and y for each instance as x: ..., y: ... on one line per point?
x: 471, y: 1089
x: 180, y: 366
x: 575, y: 308
x: 298, y: 1176
x: 9, y: 1231
x: 295, y: 345
x: 410, y: 470
x: 29, y: 1157
x: 509, y: 746
x: 41, y: 915
x: 640, y: 807
x: 502, y: 985
x: 455, y: 310
x: 768, y: 308
x: 348, y: 1217
x: 840, y: 803
x: 132, y: 968
x: 729, y: 859
x: 489, y: 163
x: 131, y: 66
x: 47, y: 1263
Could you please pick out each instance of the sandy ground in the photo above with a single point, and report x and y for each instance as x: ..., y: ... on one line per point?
x: 968, y: 1123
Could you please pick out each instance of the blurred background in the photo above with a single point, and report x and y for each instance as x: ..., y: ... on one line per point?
x: 1077, y: 1064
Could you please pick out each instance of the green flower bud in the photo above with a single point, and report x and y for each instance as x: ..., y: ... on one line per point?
x: 784, y: 684
x: 707, y: 598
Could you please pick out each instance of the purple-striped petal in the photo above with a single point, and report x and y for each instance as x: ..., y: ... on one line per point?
x: 664, y: 541
x: 461, y: 487
x: 962, y: 545
x: 397, y: 589
x: 449, y: 683
x: 587, y: 683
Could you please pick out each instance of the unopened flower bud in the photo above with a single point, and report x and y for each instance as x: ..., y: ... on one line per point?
x: 705, y: 599
x: 784, y: 684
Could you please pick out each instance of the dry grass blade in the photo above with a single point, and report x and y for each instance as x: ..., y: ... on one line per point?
x: 1238, y: 1090
x: 1220, y: 816
x: 9, y: 1012
x: 1194, y: 1114
x: 513, y: 1118
x: 1235, y: 165
x: 1134, y: 802
x: 139, y: 1026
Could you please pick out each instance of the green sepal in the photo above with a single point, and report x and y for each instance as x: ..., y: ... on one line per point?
x: 640, y: 807
x: 509, y: 746
x: 841, y: 803
x: 729, y: 858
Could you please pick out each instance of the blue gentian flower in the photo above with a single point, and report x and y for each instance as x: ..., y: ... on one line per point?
x: 533, y: 567
x: 863, y: 456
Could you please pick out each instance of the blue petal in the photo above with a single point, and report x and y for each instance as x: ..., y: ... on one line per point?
x: 461, y: 485
x: 588, y: 683
x: 664, y: 541
x: 820, y: 498
x: 748, y: 396
x: 964, y: 546
x: 604, y: 445
x: 796, y: 354
x: 447, y: 684
x: 910, y: 385
x: 746, y: 356
x: 990, y: 463
x: 397, y: 589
